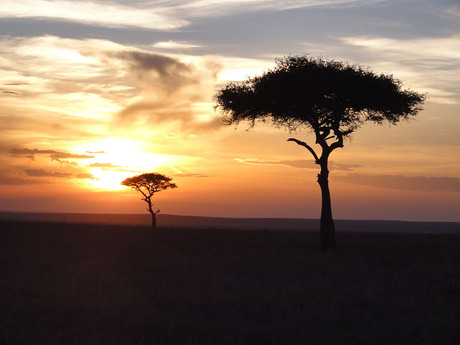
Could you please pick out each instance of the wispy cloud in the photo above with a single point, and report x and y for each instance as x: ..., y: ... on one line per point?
x: 429, y: 64
x: 157, y: 15
x: 173, y: 91
x: 44, y: 173
x: 418, y: 183
x: 109, y: 14
x: 202, y: 8
x: 95, y: 79
x: 61, y: 157
x: 53, y: 75
x: 86, y: 176
x: 300, y: 163
x: 18, y: 181
x: 190, y: 175
x: 174, y: 45
x: 103, y: 165
x: 454, y: 11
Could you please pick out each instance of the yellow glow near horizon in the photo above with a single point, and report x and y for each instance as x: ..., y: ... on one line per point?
x: 109, y: 180
x: 117, y: 159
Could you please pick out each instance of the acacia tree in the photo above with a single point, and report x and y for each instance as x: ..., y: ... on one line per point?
x: 149, y: 184
x: 330, y: 98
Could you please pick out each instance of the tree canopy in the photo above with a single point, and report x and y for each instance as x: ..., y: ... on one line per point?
x: 149, y: 183
x: 318, y: 93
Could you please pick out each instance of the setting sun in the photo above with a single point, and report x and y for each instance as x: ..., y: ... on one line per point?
x: 109, y: 180
x: 116, y: 159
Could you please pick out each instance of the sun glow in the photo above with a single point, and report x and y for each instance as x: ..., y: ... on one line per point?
x: 109, y: 180
x: 117, y: 159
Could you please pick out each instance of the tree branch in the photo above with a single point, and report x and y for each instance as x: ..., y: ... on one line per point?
x: 140, y: 190
x: 339, y: 142
x: 308, y: 147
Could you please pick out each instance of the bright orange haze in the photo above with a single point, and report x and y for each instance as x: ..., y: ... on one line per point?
x: 79, y: 116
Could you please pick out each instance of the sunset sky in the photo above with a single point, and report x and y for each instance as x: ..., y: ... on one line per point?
x: 92, y: 92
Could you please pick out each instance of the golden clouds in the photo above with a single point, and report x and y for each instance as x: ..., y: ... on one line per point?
x: 173, y: 90
x: 108, y: 14
x: 60, y: 81
x: 91, y: 112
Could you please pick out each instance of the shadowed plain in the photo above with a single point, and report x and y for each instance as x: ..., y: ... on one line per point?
x: 106, y: 284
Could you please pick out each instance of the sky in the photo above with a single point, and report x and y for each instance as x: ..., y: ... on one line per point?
x: 93, y: 92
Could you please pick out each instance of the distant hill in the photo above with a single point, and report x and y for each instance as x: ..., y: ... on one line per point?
x: 272, y: 224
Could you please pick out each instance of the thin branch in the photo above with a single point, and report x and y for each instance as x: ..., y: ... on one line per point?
x: 308, y: 147
x: 339, y: 142
x: 141, y: 191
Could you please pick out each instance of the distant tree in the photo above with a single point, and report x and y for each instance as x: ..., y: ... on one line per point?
x: 149, y: 184
x: 330, y: 98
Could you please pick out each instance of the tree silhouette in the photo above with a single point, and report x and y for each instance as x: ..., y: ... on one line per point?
x: 149, y: 184
x: 330, y: 98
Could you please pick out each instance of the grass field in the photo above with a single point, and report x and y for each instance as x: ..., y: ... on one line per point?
x: 106, y: 284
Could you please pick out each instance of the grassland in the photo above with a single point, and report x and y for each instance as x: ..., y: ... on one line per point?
x: 107, y: 284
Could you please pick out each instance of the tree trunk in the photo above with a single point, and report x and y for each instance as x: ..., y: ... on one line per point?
x: 154, y: 220
x: 327, y: 228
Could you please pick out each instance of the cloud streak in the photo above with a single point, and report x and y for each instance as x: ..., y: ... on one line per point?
x: 173, y: 91
x: 210, y: 8
x: 419, y: 183
x: 86, y: 176
x: 190, y: 175
x: 173, y: 45
x: 162, y: 15
x: 18, y: 181
x: 108, y: 14
x: 96, y: 79
x: 44, y: 173
x: 103, y: 165
x: 58, y: 156
x: 300, y: 163
x: 430, y: 64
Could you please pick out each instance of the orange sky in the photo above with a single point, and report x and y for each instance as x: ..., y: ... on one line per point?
x: 86, y: 102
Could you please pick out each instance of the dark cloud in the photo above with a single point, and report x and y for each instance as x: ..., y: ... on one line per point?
x: 29, y: 153
x: 170, y: 90
x: 86, y: 176
x: 57, y: 126
x: 344, y: 167
x: 12, y: 180
x: 171, y: 73
x: 419, y: 183
x: 44, y: 173
x: 58, y: 156
x: 11, y: 93
x: 61, y: 155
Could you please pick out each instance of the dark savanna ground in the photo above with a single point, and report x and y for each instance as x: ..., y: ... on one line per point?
x: 107, y: 284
